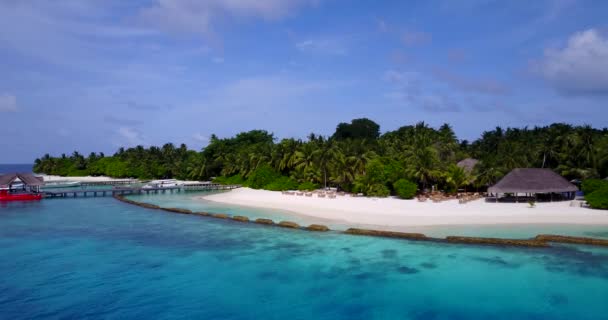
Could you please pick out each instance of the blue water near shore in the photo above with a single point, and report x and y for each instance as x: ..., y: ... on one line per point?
x: 516, y: 231
x: 103, y: 259
x: 9, y: 168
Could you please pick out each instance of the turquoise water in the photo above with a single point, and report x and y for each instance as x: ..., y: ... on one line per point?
x: 193, y: 202
x: 103, y: 259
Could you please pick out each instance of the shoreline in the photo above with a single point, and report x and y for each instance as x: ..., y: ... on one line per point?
x: 395, y: 214
x: 539, y: 241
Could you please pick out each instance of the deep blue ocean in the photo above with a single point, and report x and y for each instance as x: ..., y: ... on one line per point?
x: 98, y: 258
x: 10, y: 168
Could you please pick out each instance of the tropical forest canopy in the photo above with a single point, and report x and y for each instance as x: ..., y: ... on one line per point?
x: 356, y: 158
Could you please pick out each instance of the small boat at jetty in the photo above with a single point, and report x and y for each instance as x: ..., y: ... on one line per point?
x: 160, y: 184
x: 60, y: 184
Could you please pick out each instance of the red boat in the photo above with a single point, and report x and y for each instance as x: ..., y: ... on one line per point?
x: 5, y: 196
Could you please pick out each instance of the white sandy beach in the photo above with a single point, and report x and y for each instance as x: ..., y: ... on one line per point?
x: 393, y: 212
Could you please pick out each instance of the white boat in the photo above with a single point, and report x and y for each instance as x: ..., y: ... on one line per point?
x: 160, y: 184
x: 60, y: 184
x: 15, y: 186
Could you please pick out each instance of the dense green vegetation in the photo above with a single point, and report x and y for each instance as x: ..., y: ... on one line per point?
x: 357, y: 158
x: 598, y: 199
x: 405, y: 189
x: 596, y: 193
x: 591, y: 185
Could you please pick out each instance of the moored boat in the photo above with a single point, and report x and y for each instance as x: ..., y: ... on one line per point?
x: 20, y: 187
x: 6, y: 196
x: 61, y: 184
x: 161, y: 184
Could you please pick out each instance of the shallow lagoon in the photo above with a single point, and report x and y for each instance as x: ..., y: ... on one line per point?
x: 189, y: 201
x: 99, y: 258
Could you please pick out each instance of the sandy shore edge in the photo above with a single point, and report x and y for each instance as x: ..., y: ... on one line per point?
x: 391, y: 212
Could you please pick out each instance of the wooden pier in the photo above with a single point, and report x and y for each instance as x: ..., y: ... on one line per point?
x: 123, y: 191
x: 109, y: 183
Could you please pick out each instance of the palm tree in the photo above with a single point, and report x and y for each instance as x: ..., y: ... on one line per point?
x: 324, y: 155
x: 421, y: 156
x: 285, y: 154
x: 305, y: 157
x: 343, y: 170
x: 447, y: 143
x: 358, y: 154
x: 457, y: 177
x: 422, y: 165
x: 197, y: 168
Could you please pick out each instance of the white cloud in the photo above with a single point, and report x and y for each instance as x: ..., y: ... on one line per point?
x: 129, y: 137
x: 265, y: 92
x: 413, y: 89
x: 200, y: 138
x: 63, y: 132
x: 382, y: 25
x: 394, y: 76
x: 8, y: 102
x: 197, y: 16
x: 324, y: 45
x: 581, y: 67
x: 412, y: 38
x: 470, y: 84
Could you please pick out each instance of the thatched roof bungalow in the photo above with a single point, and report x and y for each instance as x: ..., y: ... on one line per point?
x: 533, y: 181
x: 468, y: 164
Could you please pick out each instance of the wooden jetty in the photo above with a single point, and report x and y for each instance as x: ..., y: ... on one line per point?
x: 205, y: 186
x: 74, y: 193
x: 109, y: 183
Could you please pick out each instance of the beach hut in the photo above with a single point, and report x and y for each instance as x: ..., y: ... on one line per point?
x: 533, y: 183
x: 468, y: 164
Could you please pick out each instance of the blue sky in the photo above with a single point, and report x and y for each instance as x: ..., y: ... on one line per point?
x: 96, y: 75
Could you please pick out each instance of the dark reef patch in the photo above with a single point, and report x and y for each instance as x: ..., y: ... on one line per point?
x: 389, y: 254
x: 557, y: 300
x: 407, y: 270
x: 428, y: 265
x: 497, y: 261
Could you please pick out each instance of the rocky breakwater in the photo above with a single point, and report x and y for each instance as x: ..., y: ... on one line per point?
x: 317, y: 227
x: 139, y: 204
x: 573, y: 240
x: 387, y: 234
x: 264, y: 221
x: 498, y: 241
x: 240, y: 218
x: 177, y: 210
x: 288, y: 224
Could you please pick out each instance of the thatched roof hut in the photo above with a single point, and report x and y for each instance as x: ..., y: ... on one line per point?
x: 532, y: 181
x: 468, y: 164
x: 28, y: 179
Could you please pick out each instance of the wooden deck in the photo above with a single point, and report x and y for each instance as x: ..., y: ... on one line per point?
x: 75, y: 193
x: 109, y: 183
